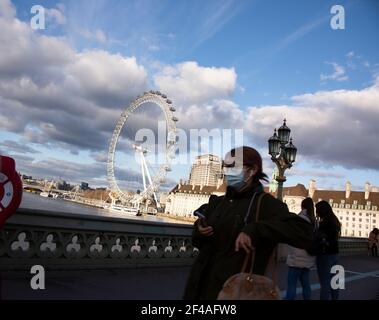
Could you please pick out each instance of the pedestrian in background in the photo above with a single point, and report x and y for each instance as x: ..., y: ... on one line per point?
x: 329, y: 231
x: 300, y: 261
x: 373, y: 242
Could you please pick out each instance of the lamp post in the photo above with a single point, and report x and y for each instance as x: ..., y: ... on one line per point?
x: 283, y: 154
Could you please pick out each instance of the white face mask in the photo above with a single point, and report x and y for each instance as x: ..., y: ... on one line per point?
x: 235, y: 177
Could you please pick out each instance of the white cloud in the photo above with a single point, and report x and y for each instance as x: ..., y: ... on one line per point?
x: 7, y: 10
x: 50, y: 92
x: 24, y: 52
x: 333, y: 127
x: 338, y: 74
x: 104, y: 78
x: 188, y: 83
x: 96, y: 35
x: 216, y: 114
x: 56, y: 14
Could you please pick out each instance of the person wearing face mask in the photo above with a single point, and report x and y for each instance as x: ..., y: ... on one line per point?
x: 228, y: 231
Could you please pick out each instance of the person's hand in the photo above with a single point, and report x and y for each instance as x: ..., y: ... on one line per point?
x: 244, y: 241
x: 205, y: 231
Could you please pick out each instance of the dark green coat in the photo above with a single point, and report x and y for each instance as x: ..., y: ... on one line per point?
x: 218, y: 260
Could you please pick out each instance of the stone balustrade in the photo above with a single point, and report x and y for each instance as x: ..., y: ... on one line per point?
x: 73, y: 241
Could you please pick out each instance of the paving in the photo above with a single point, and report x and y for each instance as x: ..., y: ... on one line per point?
x: 361, y: 283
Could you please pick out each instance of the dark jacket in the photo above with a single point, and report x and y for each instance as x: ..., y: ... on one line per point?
x: 330, y: 227
x: 217, y: 259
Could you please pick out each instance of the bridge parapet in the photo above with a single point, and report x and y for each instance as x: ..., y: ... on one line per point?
x: 58, y: 240
x: 351, y: 246
x: 74, y: 241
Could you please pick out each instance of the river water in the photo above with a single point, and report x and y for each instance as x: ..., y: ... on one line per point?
x: 35, y: 201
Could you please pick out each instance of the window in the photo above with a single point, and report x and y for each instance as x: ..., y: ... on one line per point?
x: 348, y: 206
x: 353, y: 219
x: 374, y: 221
x: 360, y: 226
x: 342, y: 201
x: 353, y: 225
x: 367, y: 220
x: 374, y: 208
x: 360, y: 233
x: 360, y: 220
x: 360, y: 213
x: 347, y: 218
x: 355, y: 202
x: 353, y: 213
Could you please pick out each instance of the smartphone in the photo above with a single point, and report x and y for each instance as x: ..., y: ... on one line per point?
x: 203, y: 219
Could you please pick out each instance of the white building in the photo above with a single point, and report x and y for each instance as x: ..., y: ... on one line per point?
x: 356, y: 210
x: 206, y: 171
x: 184, y: 199
x: 205, y: 180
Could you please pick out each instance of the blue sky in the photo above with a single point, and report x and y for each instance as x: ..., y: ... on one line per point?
x: 276, y: 49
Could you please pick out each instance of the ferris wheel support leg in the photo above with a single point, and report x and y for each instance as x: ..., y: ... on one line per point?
x: 149, y: 177
x: 143, y: 171
x: 147, y: 170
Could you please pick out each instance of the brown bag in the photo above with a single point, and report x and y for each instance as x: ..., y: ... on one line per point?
x: 248, y: 286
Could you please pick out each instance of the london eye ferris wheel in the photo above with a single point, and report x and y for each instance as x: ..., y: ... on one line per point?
x: 142, y: 178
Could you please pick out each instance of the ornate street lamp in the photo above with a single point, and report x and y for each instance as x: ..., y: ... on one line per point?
x: 283, y: 154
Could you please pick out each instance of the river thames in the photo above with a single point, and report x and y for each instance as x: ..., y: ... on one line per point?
x: 36, y: 202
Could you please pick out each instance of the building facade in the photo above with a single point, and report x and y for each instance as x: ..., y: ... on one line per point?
x: 205, y: 171
x: 356, y: 210
x: 185, y: 198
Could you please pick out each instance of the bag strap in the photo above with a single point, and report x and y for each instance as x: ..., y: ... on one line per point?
x: 247, y: 258
x: 247, y: 215
x: 252, y: 254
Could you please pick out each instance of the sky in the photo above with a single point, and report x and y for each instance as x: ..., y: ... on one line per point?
x: 233, y: 64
